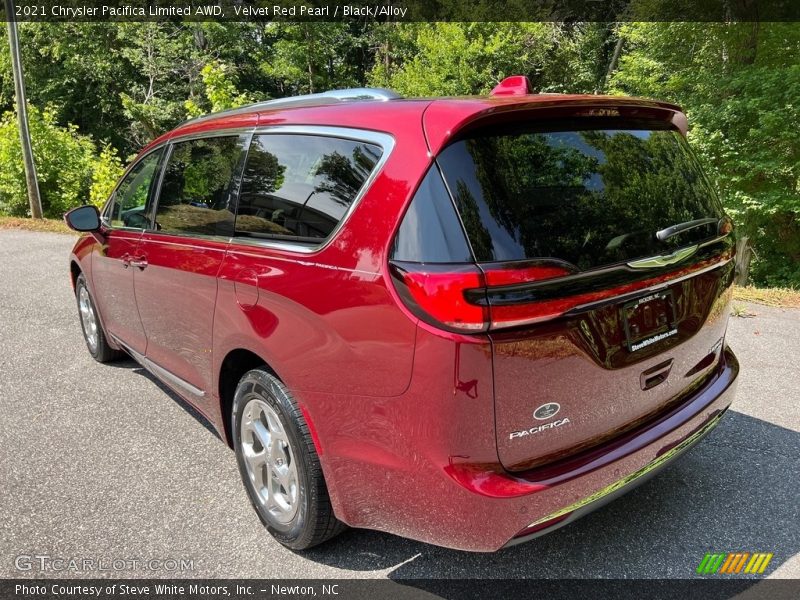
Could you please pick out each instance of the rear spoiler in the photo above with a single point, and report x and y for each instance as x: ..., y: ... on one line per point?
x: 446, y: 118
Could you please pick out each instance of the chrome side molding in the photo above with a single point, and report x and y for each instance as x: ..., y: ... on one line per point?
x: 158, y: 371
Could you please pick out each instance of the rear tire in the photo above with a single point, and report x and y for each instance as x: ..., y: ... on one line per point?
x: 279, y: 464
x: 93, y: 333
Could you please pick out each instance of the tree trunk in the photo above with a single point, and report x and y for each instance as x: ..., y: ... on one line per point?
x: 744, y: 254
x: 612, y: 66
x: 309, y: 62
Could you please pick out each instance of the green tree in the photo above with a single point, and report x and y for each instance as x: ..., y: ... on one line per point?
x: 76, y: 71
x: 221, y: 90
x: 426, y: 59
x: 314, y: 57
x: 739, y: 84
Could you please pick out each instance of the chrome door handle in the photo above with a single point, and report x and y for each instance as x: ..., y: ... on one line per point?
x: 138, y: 262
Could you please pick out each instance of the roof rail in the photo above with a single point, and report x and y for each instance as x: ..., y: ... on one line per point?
x: 323, y: 98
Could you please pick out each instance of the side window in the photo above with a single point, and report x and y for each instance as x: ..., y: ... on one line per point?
x: 298, y: 187
x: 430, y: 231
x: 199, y: 186
x: 128, y: 207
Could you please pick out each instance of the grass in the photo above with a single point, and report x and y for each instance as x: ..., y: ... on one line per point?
x: 739, y: 310
x: 780, y: 297
x: 51, y: 225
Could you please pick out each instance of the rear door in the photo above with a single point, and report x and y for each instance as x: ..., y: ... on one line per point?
x: 179, y: 257
x: 299, y: 283
x: 607, y: 260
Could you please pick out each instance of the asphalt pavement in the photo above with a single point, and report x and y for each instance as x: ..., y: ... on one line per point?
x: 103, y: 462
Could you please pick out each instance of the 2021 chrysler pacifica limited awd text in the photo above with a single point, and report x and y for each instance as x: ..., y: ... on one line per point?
x: 467, y: 321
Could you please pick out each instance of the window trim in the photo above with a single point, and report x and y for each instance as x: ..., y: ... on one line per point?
x: 246, y: 137
x: 381, y: 139
x: 384, y: 141
x: 151, y: 192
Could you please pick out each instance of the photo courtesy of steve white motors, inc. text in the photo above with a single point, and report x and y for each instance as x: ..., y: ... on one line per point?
x: 172, y: 589
x: 284, y: 11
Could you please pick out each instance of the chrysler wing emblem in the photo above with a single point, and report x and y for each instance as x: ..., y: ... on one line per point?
x: 662, y: 261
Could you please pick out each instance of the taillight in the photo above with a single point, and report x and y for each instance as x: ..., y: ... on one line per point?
x: 436, y: 294
x: 512, y: 273
x: 455, y: 295
x: 518, y: 313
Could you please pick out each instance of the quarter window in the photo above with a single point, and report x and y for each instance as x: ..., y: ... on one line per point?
x: 127, y: 209
x: 299, y: 187
x: 199, y: 186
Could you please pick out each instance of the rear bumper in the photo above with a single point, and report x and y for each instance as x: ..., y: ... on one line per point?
x: 512, y: 508
x: 584, y: 506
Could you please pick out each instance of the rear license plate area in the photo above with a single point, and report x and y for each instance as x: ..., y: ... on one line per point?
x: 648, y: 320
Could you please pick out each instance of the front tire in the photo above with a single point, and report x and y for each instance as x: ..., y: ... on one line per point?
x: 279, y: 464
x: 93, y: 334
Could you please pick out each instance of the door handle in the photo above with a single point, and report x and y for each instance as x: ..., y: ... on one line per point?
x: 140, y: 262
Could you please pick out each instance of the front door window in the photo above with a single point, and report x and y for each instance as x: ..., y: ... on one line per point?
x: 128, y: 209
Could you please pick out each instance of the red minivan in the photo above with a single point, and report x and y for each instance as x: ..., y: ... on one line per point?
x: 467, y: 321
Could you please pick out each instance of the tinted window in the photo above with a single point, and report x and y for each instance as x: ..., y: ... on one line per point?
x: 430, y: 231
x: 199, y: 186
x: 591, y: 197
x: 299, y: 187
x: 130, y: 199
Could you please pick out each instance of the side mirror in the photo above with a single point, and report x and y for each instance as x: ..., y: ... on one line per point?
x: 83, y: 219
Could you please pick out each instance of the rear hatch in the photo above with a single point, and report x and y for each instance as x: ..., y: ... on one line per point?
x: 593, y: 254
x: 606, y: 257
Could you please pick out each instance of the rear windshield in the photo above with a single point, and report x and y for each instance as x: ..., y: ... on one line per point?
x: 591, y: 197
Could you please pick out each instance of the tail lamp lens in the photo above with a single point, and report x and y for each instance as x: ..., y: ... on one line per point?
x: 435, y: 293
x: 499, y: 276
x: 454, y: 295
x: 525, y: 313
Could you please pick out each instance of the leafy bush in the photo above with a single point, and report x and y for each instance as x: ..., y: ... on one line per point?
x: 221, y: 90
x: 63, y: 159
x: 106, y: 170
x: 69, y: 171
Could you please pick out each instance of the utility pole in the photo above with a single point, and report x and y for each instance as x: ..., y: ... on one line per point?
x: 22, y: 114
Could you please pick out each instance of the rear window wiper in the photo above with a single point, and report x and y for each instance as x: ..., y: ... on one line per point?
x: 672, y: 230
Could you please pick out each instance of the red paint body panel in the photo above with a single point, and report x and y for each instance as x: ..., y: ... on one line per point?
x: 446, y: 117
x: 112, y: 284
x: 317, y: 342
x: 176, y: 295
x: 580, y: 362
x: 410, y: 420
x: 516, y: 85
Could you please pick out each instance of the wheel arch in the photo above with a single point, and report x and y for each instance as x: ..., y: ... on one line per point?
x: 236, y: 363
x: 75, y: 271
x: 239, y: 360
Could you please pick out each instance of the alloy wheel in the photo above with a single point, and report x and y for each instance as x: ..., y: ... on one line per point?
x: 269, y: 460
x: 88, y: 318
